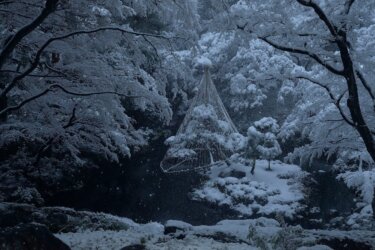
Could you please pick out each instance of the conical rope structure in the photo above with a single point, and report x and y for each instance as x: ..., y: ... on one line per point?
x: 202, y: 138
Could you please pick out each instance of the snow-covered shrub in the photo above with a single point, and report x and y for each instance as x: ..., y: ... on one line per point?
x: 267, y: 193
x: 270, y: 148
x: 263, y: 132
x: 364, y: 183
x: 27, y: 195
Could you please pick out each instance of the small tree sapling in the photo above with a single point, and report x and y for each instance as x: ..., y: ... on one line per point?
x: 268, y: 147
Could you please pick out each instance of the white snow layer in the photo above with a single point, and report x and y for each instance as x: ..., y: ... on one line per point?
x: 265, y: 192
x: 226, y: 234
x: 203, y: 62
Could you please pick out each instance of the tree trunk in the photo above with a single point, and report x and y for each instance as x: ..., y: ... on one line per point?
x: 353, y: 101
x: 253, y: 166
x: 269, y: 165
x: 3, y: 105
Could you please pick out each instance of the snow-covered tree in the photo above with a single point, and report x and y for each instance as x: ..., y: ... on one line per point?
x: 266, y: 129
x: 254, y: 137
x: 326, y: 39
x: 72, y: 75
x: 205, y: 139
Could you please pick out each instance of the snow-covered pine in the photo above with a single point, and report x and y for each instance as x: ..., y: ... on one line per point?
x: 268, y: 147
x: 207, y: 135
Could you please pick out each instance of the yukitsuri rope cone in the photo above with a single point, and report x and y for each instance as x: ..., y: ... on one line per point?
x: 200, y: 141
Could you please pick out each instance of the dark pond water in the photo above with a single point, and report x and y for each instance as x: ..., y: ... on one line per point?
x: 330, y: 195
x: 139, y: 190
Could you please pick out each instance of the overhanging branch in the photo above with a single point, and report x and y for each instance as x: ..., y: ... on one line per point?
x: 336, y: 102
x: 304, y: 52
x: 321, y: 15
x: 49, y: 7
x: 57, y: 86
x: 38, y: 55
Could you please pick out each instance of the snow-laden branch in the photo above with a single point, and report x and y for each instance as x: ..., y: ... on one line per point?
x: 336, y: 101
x: 57, y: 86
x: 31, y: 75
x: 38, y: 55
x: 304, y: 52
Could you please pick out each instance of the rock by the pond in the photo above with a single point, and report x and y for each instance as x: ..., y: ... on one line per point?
x: 173, y: 226
x: 29, y: 237
x: 134, y: 247
x: 57, y: 219
x: 233, y: 173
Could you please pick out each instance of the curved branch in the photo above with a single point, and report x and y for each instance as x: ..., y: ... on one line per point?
x: 57, y: 86
x: 348, y: 6
x: 38, y: 55
x: 336, y: 102
x: 30, y: 75
x: 15, y: 14
x: 304, y: 52
x: 321, y: 15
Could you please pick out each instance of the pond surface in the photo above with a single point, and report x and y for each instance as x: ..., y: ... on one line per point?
x: 142, y: 192
x: 330, y: 195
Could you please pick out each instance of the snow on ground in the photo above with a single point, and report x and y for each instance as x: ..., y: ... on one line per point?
x: 264, y: 193
x: 261, y: 233
x: 152, y: 236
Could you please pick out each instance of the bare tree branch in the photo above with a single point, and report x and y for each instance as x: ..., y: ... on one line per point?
x: 57, y: 86
x: 336, y: 102
x: 6, y: 2
x: 30, y: 75
x: 56, y: 71
x: 15, y: 13
x: 49, y: 7
x: 348, y: 6
x: 38, y: 55
x: 20, y: 2
x: 321, y: 15
x: 333, y: 120
x: 304, y: 52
